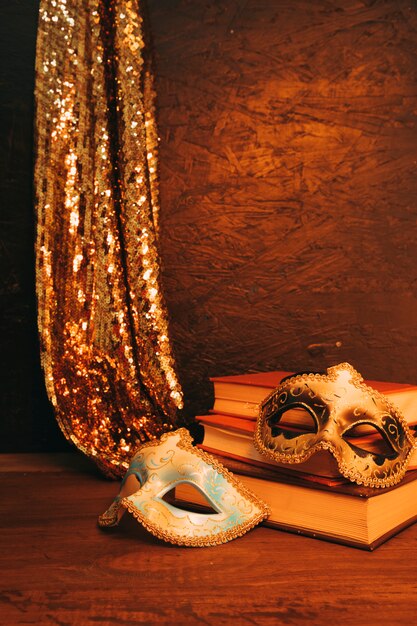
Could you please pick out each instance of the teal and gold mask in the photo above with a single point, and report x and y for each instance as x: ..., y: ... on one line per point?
x: 160, y: 466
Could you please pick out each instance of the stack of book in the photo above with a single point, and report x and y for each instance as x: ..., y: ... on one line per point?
x: 309, y: 498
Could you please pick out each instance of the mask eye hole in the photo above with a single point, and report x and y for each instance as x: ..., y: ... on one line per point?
x: 373, y: 442
x: 190, y: 499
x: 292, y: 422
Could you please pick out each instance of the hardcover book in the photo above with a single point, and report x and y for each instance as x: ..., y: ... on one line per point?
x: 361, y: 517
x: 241, y: 395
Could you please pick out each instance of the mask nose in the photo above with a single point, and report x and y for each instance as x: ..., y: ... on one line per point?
x: 330, y: 431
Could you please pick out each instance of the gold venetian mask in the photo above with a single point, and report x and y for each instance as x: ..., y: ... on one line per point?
x: 338, y: 403
x: 158, y: 467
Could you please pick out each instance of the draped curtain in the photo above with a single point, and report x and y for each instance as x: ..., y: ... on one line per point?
x: 105, y: 345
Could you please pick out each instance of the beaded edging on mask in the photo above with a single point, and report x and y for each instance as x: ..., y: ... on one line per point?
x: 338, y: 402
x: 158, y: 467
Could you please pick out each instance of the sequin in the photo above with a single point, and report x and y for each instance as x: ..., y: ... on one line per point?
x: 105, y: 346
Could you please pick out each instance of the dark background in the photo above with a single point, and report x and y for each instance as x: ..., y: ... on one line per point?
x: 288, y: 192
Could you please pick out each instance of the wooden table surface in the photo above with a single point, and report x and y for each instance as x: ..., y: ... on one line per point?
x: 57, y: 567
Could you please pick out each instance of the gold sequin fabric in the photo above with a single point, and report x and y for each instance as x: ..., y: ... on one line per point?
x: 105, y: 346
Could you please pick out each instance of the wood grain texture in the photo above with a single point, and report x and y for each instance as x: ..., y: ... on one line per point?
x: 288, y: 185
x: 58, y: 568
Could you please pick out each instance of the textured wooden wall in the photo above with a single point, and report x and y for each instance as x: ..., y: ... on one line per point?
x: 288, y: 188
x: 288, y: 185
